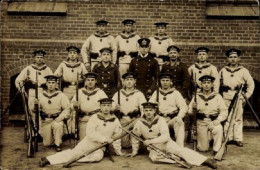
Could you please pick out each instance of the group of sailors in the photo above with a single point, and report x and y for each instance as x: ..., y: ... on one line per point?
x: 134, y: 79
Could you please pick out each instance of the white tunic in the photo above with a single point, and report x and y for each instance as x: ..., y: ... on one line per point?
x: 170, y: 102
x: 207, y: 69
x: 234, y: 78
x: 95, y: 42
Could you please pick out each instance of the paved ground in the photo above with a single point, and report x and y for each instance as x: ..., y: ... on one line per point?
x: 13, y: 155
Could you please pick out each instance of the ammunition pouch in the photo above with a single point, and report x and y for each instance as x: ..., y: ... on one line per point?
x: 133, y: 54
x: 170, y: 115
x: 94, y: 55
x: 224, y: 88
x: 44, y: 115
x: 121, y: 54
x: 82, y: 114
x: 202, y: 116
x: 28, y: 84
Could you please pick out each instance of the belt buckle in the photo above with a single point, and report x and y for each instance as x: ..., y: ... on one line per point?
x: 73, y: 83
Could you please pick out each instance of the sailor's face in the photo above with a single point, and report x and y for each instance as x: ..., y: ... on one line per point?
x: 105, y: 56
x: 129, y: 82
x: 128, y: 27
x: 38, y: 59
x: 105, y: 108
x: 173, y: 54
x: 207, y: 85
x: 72, y: 55
x: 90, y: 82
x: 165, y: 83
x: 101, y: 28
x: 233, y: 59
x: 161, y: 30
x: 202, y: 56
x: 149, y: 112
x: 51, y: 85
x: 144, y: 50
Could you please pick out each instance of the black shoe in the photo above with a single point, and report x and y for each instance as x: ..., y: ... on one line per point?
x: 239, y: 143
x: 57, y: 148
x: 44, y: 161
x: 211, y: 163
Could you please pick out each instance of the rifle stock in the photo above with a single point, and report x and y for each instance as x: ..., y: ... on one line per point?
x: 166, y: 155
x: 129, y: 126
x: 222, y: 149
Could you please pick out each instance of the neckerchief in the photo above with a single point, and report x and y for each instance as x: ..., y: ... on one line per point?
x: 166, y: 93
x: 97, y: 34
x: 149, y: 125
x: 112, y: 119
x: 128, y: 94
x: 71, y: 65
x: 206, y: 99
x: 90, y: 93
x: 39, y: 68
x: 202, y: 67
x: 235, y: 70
x: 127, y: 36
x: 165, y: 37
x: 51, y: 96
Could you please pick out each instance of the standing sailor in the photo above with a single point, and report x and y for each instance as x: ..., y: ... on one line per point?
x: 90, y: 50
x: 127, y: 46
x: 231, y: 77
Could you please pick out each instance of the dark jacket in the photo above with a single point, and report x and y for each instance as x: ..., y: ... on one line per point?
x: 107, y: 79
x: 181, y: 78
x: 147, y: 70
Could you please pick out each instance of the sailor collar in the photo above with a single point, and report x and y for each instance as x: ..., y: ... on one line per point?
x: 126, y: 94
x: 235, y: 70
x: 111, y: 119
x: 206, y: 99
x: 43, y: 67
x: 90, y: 93
x: 127, y: 36
x: 164, y: 37
x: 72, y: 65
x: 50, y: 96
x: 202, y: 67
x: 148, y: 124
x: 97, y: 34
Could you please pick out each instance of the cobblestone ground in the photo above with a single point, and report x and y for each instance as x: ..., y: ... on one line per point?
x: 13, y: 155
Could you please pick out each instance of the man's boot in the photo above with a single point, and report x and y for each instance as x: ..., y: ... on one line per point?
x: 44, y: 161
x: 211, y: 163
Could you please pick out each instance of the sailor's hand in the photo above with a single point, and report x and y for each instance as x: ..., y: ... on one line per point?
x: 59, y: 119
x: 117, y: 107
x: 36, y: 101
x: 88, y: 68
x: 216, y: 122
x: 194, y: 105
x: 119, y: 153
x: 147, y: 142
x: 109, y: 140
x: 178, y: 120
x: 76, y: 104
x: 211, y: 126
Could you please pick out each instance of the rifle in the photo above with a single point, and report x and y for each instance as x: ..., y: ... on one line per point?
x: 194, y: 121
x: 251, y: 108
x: 129, y: 126
x: 223, y: 147
x: 28, y: 126
x: 77, y: 111
x: 165, y: 155
x: 157, y: 89
x: 37, y: 113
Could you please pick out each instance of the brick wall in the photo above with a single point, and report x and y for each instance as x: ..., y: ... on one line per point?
x: 189, y: 28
